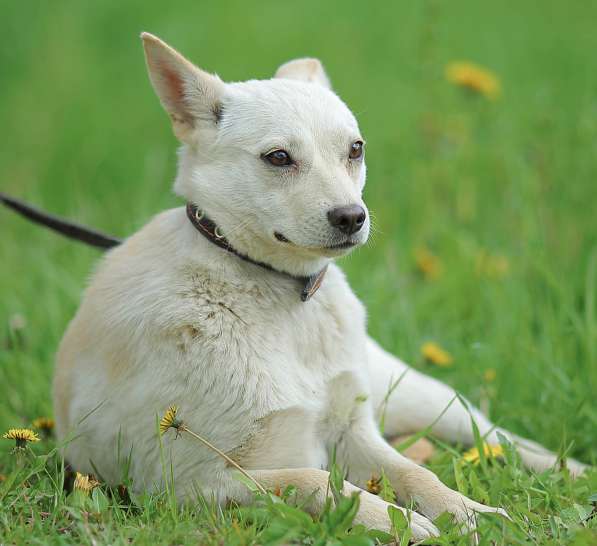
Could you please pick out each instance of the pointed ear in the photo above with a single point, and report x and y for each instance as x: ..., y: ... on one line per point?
x: 306, y: 70
x: 188, y: 94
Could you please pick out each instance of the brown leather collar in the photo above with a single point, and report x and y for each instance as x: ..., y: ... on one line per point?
x: 211, y: 232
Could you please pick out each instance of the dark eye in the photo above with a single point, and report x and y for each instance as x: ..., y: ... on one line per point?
x: 278, y: 158
x: 356, y: 150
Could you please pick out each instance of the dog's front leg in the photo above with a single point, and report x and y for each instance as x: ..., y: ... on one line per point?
x: 364, y: 453
x: 312, y: 490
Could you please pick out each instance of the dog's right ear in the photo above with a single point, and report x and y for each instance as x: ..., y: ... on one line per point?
x: 306, y: 70
x: 189, y: 95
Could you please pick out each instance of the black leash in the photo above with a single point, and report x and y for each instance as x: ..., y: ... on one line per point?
x: 61, y: 225
x: 309, y: 284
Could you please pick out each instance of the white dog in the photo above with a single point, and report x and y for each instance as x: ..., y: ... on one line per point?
x: 233, y: 310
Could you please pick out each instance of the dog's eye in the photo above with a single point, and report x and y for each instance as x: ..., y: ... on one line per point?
x: 356, y: 150
x: 278, y: 158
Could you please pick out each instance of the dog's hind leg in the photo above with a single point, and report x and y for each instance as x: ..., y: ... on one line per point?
x: 417, y: 400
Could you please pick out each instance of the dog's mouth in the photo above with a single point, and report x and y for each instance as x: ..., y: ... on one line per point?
x: 341, y: 246
x: 338, y: 246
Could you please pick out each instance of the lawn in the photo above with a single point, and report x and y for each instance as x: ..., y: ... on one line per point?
x: 485, y: 240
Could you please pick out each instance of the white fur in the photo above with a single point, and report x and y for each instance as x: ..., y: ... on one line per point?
x: 170, y: 318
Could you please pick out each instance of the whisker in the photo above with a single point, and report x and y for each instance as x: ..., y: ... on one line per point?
x: 240, y: 225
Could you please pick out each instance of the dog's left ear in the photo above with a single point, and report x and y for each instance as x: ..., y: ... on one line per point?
x: 306, y: 70
x: 191, y: 97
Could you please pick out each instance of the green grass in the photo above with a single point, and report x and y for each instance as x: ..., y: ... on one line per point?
x: 84, y: 136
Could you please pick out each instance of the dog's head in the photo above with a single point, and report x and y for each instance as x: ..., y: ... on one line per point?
x: 278, y: 164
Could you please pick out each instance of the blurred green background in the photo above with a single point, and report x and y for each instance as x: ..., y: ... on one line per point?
x: 501, y: 194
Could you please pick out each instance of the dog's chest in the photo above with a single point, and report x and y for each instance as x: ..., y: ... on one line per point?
x: 297, y: 374
x: 278, y: 351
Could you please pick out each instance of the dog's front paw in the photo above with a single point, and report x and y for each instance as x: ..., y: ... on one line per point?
x: 373, y: 513
x: 462, y: 508
x: 420, y: 526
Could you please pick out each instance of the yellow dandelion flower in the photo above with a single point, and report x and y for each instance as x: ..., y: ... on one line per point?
x: 493, y: 266
x: 85, y: 483
x: 489, y: 375
x: 490, y: 451
x: 474, y: 78
x: 45, y: 424
x: 374, y: 485
x: 21, y: 436
x: 434, y: 354
x: 428, y: 263
x: 169, y: 420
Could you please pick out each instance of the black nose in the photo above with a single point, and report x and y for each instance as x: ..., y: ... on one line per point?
x: 347, y: 219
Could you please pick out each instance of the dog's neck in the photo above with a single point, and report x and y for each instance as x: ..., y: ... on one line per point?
x: 239, y: 231
x: 308, y: 284
x: 280, y: 256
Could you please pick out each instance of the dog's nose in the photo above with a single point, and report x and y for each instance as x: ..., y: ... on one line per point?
x: 348, y: 219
